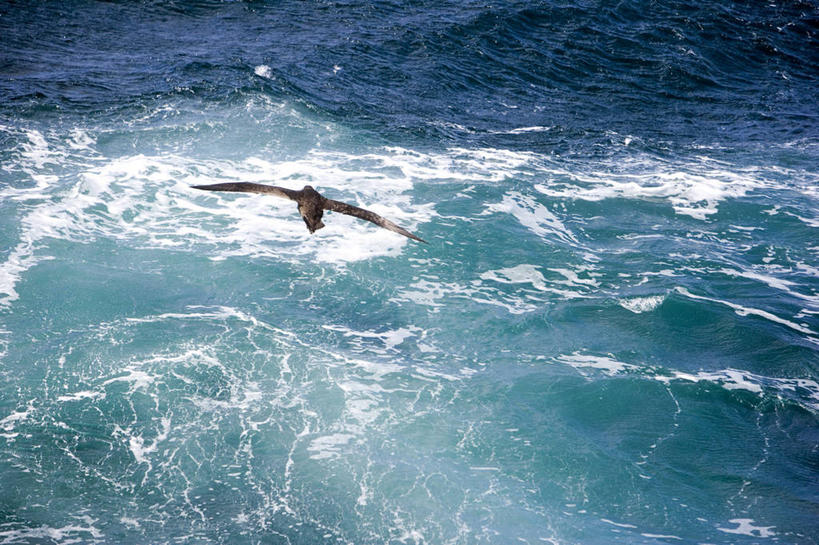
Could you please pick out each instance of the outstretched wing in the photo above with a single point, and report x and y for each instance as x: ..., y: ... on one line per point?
x: 247, y: 187
x: 351, y: 210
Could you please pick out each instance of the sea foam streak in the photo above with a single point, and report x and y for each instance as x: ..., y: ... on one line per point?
x: 745, y: 311
x: 693, y: 188
x: 534, y: 216
x: 803, y: 391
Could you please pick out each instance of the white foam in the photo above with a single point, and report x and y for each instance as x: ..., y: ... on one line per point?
x: 200, y: 312
x: 136, y: 443
x: 694, y: 189
x: 329, y: 446
x: 9, y: 422
x: 436, y: 375
x: 810, y: 222
x: 131, y: 522
x: 745, y: 311
x: 777, y: 283
x: 428, y: 293
x: 390, y: 338
x: 532, y: 215
x: 772, y: 281
x: 47, y: 217
x: 606, y: 364
x: 20, y: 260
x: 147, y: 202
x: 431, y: 293
x: 572, y: 278
x: 730, y: 379
x: 36, y: 152
x: 618, y: 524
x: 807, y: 390
x: 474, y: 166
x: 520, y: 274
x: 375, y: 369
x: 746, y: 527
x: 81, y: 140
x: 524, y: 130
x: 638, y: 305
x: 263, y: 70
x: 137, y: 378
x: 81, y: 395
x: 59, y: 535
x: 4, y: 342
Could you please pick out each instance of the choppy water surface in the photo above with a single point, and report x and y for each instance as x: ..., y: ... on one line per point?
x: 612, y: 336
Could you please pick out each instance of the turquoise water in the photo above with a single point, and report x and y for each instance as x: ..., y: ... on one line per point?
x: 611, y: 337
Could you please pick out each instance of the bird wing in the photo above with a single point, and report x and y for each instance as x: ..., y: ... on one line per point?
x: 247, y: 187
x: 351, y: 210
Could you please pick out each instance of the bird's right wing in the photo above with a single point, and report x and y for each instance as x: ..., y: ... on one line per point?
x: 247, y: 187
x: 351, y: 210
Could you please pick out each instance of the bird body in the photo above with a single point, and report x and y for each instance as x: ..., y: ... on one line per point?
x: 311, y: 205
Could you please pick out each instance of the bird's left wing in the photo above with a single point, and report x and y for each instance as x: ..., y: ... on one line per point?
x: 351, y: 210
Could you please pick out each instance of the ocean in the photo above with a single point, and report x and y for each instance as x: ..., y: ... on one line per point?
x: 611, y: 337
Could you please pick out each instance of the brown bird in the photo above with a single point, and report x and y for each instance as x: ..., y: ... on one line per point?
x: 311, y: 205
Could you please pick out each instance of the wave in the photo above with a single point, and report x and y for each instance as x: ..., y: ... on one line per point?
x: 638, y: 305
x: 147, y: 200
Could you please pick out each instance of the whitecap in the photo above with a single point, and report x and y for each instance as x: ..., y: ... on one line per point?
x: 638, y: 305
x: 263, y: 71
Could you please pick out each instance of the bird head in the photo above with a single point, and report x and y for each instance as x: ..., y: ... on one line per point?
x: 311, y: 214
x: 313, y: 224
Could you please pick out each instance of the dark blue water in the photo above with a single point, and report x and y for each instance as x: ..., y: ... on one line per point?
x: 611, y: 337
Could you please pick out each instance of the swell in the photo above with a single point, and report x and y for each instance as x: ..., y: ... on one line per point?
x: 744, y: 69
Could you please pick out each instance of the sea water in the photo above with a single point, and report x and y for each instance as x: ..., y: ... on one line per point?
x: 611, y: 337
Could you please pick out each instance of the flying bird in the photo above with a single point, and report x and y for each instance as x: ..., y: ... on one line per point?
x: 311, y: 205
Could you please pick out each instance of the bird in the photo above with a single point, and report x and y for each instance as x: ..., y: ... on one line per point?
x: 311, y: 205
